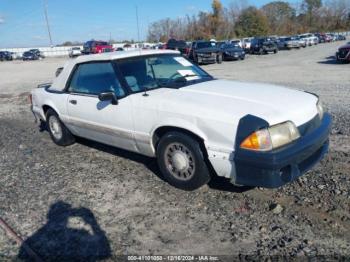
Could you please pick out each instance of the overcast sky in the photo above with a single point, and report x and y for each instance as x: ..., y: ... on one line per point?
x: 22, y: 22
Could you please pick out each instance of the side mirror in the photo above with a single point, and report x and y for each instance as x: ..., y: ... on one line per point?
x: 108, y: 96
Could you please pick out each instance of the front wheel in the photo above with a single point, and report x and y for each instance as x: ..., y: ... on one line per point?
x: 182, y: 162
x: 59, y: 133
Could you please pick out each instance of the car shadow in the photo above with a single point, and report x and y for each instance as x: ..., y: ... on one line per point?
x: 70, y: 234
x: 224, y: 184
x: 330, y: 60
x: 216, y: 183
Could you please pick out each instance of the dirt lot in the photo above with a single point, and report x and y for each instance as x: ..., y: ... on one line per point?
x: 93, y: 199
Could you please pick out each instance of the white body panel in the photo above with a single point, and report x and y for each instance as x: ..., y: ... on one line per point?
x: 211, y: 110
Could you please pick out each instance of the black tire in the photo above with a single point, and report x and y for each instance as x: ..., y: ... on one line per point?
x: 66, y: 138
x: 275, y: 51
x: 191, y: 148
x: 219, y: 59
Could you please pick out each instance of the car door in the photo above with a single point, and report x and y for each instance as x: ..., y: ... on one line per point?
x: 99, y: 120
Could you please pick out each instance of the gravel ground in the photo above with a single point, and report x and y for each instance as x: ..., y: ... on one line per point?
x: 94, y: 199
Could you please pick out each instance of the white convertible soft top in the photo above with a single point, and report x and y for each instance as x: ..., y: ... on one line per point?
x: 59, y: 82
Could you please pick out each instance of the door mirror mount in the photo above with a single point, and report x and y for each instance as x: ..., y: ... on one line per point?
x: 108, y: 96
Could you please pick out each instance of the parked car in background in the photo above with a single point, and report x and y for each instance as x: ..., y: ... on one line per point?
x: 205, y: 52
x: 38, y: 53
x: 341, y: 37
x: 329, y: 38
x: 247, y: 43
x: 281, y: 42
x: 2, y: 56
x: 196, y: 126
x: 6, y: 55
x: 263, y: 45
x: 179, y: 45
x: 28, y: 55
x: 74, y: 51
x: 292, y: 42
x: 321, y: 37
x: 310, y: 39
x: 237, y: 42
x: 301, y: 41
x: 96, y: 47
x: 343, y: 54
x: 231, y: 51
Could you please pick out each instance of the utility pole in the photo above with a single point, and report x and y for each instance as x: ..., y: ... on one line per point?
x: 47, y: 21
x: 138, y: 27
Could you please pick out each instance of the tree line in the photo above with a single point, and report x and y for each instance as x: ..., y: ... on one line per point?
x: 241, y: 20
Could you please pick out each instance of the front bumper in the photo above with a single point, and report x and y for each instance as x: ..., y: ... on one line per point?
x: 343, y: 56
x: 278, y: 167
x: 206, y: 60
x: 233, y: 56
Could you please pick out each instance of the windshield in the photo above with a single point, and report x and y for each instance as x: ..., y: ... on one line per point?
x: 205, y: 44
x: 156, y: 71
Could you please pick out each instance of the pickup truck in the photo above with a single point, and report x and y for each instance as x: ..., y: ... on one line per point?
x: 159, y: 104
x: 96, y: 47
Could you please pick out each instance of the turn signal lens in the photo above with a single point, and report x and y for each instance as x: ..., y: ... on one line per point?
x: 259, y: 140
x: 272, y: 137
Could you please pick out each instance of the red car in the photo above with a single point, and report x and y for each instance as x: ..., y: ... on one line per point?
x: 96, y: 47
x: 343, y: 53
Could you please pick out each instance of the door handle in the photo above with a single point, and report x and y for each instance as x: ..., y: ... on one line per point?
x: 74, y: 102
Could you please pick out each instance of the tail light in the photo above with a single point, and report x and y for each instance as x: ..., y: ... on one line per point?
x: 30, y: 99
x: 187, y: 50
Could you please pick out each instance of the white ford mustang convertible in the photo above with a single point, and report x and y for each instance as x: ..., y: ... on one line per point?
x: 159, y: 104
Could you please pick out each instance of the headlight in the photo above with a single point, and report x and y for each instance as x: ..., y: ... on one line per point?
x: 320, y: 109
x: 271, y: 138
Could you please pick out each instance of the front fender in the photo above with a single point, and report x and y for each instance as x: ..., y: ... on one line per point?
x: 178, y: 123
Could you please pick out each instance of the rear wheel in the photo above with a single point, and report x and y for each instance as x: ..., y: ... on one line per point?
x: 59, y: 133
x: 181, y: 161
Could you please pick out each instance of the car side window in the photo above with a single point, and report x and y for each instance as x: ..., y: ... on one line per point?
x: 94, y: 79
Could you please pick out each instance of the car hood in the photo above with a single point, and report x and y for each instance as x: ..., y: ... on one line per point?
x: 347, y: 46
x: 229, y: 101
